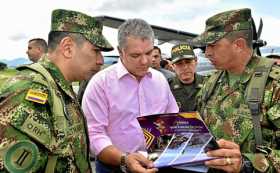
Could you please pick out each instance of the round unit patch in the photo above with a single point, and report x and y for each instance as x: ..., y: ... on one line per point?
x: 21, y: 157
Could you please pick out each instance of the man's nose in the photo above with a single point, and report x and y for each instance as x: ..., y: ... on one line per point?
x: 144, y: 59
x: 208, y: 52
x: 100, y: 59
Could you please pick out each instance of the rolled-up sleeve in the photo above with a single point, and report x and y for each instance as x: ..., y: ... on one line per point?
x: 95, y: 108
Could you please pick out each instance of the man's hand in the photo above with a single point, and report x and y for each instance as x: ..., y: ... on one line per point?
x: 229, y: 157
x: 137, y: 163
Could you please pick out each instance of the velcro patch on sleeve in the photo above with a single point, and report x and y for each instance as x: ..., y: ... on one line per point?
x: 36, y: 96
x: 21, y: 157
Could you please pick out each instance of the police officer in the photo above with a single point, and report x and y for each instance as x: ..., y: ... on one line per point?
x: 246, y: 126
x: 42, y: 126
x: 187, y: 83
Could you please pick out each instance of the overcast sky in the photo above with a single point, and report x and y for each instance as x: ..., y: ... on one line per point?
x: 23, y: 20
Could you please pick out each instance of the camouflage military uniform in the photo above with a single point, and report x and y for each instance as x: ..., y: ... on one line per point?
x: 34, y: 138
x: 226, y: 110
x: 42, y: 126
x: 185, y: 94
x: 228, y: 116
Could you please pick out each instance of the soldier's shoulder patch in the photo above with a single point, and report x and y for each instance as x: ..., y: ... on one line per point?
x: 21, y: 157
x: 36, y: 127
x: 36, y: 96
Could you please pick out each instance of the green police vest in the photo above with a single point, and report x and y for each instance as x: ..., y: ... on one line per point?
x: 60, y: 123
x: 184, y: 94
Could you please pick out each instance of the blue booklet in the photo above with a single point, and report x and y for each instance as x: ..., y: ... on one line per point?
x: 180, y: 140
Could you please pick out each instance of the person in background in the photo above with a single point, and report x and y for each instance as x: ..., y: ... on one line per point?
x: 275, y: 58
x: 166, y: 64
x: 187, y: 82
x: 117, y: 95
x: 156, y: 58
x: 36, y: 48
x: 42, y: 126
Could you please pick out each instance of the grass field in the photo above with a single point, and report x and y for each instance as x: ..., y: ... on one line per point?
x: 5, y: 74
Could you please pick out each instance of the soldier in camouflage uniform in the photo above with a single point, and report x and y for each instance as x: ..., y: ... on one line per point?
x: 187, y: 83
x: 42, y: 126
x: 228, y: 41
x: 36, y: 48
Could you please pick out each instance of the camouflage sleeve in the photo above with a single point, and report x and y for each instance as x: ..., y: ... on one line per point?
x: 199, y: 99
x: 268, y: 160
x: 25, y: 126
x: 207, y: 81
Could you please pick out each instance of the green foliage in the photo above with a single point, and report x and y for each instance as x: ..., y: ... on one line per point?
x: 3, y: 66
x: 5, y: 74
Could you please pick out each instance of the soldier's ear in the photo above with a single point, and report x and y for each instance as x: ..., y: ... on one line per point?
x: 239, y: 44
x: 66, y: 46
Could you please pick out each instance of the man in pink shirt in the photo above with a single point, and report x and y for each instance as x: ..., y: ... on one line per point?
x: 116, y: 96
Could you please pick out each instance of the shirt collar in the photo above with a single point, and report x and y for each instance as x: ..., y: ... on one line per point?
x: 249, y: 69
x: 122, y: 71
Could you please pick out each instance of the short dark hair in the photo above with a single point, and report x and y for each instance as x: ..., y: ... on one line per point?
x: 246, y: 34
x: 41, y: 43
x: 273, y: 56
x: 56, y: 36
x: 163, y: 63
x: 157, y: 48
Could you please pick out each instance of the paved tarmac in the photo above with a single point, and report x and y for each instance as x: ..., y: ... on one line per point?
x: 93, y: 166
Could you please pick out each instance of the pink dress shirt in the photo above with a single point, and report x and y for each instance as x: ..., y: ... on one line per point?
x: 114, y: 99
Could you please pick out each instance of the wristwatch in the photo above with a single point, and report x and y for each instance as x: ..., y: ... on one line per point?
x: 123, y: 165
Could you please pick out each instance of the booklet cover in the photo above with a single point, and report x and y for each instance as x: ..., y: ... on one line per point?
x: 177, y: 139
